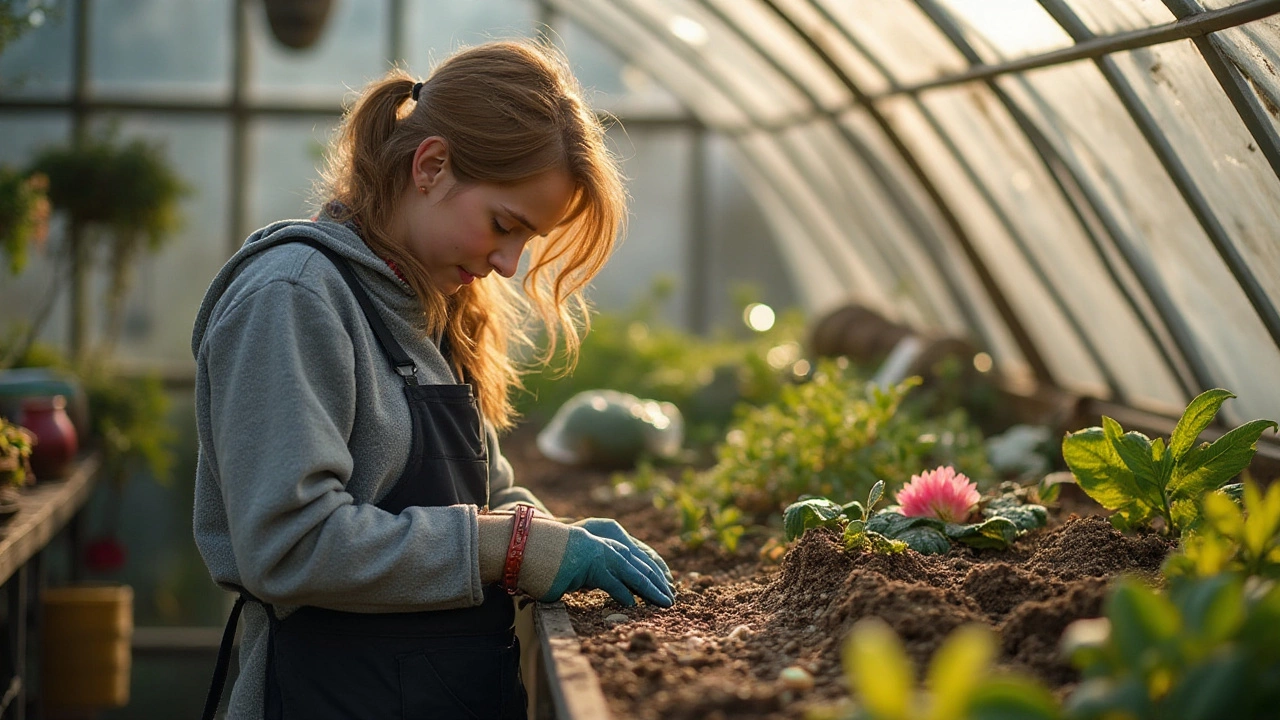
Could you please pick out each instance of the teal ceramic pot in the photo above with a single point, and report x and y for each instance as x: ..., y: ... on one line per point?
x: 19, y: 384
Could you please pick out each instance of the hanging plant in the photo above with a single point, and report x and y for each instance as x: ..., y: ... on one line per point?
x: 297, y: 24
x: 127, y: 195
x: 24, y: 215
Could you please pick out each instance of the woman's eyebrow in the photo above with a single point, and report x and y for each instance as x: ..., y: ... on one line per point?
x: 521, y: 219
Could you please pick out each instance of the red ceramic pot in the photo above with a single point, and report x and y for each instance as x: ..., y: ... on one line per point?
x: 56, y: 442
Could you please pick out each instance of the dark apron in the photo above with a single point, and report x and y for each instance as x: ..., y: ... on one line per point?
x: 462, y: 663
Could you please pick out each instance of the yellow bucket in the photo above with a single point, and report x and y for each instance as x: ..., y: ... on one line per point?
x: 87, y: 634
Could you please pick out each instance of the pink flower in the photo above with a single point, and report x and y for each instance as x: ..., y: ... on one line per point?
x: 942, y: 493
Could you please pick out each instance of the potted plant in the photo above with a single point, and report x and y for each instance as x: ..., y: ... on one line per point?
x: 15, y: 464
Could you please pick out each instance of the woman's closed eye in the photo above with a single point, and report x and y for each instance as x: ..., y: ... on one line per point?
x: 499, y: 229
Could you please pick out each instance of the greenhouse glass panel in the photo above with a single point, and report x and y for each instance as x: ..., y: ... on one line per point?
x: 786, y: 48
x: 612, y: 83
x: 982, y: 323
x: 1108, y: 17
x: 824, y: 157
x: 285, y: 158
x: 161, y: 49
x: 700, y: 37
x: 350, y: 52
x: 619, y: 30
x: 1092, y: 131
x: 656, y: 165
x: 742, y: 247
x: 1007, y: 29
x: 812, y: 275
x: 1255, y: 51
x: 989, y: 231
x: 1217, y: 149
x: 821, y: 28
x: 38, y: 63
x: 158, y: 312
x: 431, y: 31
x: 21, y: 296
x: 777, y: 163
x: 898, y: 35
x: 1007, y: 169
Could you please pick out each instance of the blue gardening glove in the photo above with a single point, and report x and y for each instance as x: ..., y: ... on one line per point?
x: 607, y: 528
x: 595, y: 562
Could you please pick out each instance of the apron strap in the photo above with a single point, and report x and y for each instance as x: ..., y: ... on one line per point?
x: 400, y: 360
x: 224, y: 660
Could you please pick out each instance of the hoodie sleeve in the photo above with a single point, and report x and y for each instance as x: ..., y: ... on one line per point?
x: 503, y: 492
x: 282, y: 398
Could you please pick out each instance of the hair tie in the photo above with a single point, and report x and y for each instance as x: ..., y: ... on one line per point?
x: 417, y: 88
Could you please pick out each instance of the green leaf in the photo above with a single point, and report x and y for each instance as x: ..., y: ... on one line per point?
x: 1137, y: 453
x: 878, y: 670
x: 924, y: 540
x: 1025, y: 516
x: 806, y: 514
x: 1211, y: 689
x: 1050, y: 486
x: 1199, y: 413
x: 1012, y: 698
x: 1100, y: 471
x: 997, y: 533
x: 1141, y: 621
x: 1262, y: 522
x: 1106, y: 698
x: 957, y: 669
x: 873, y: 497
x: 1212, y: 609
x: 891, y: 523
x: 1207, y: 467
x: 854, y: 510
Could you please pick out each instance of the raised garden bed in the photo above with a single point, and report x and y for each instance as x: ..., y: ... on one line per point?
x: 740, y: 620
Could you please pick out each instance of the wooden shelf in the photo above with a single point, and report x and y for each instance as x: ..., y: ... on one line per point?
x: 45, y: 508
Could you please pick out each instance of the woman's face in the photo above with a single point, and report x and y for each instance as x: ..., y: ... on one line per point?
x: 462, y: 232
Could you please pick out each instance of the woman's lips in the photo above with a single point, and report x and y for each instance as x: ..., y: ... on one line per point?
x: 465, y: 276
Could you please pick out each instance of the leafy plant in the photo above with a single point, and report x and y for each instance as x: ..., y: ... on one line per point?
x: 959, y: 683
x: 1243, y: 540
x: 15, y: 454
x: 1209, y: 649
x: 1005, y: 518
x: 850, y: 520
x: 24, y: 215
x: 1141, y: 479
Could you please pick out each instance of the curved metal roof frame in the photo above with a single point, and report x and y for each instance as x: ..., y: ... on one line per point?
x: 1144, y: 291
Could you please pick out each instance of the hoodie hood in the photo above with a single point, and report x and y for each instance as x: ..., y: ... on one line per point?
x: 371, y: 269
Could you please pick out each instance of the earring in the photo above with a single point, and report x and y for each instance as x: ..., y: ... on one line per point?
x: 422, y: 189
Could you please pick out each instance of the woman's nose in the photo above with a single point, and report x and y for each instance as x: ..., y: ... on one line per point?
x: 506, y: 258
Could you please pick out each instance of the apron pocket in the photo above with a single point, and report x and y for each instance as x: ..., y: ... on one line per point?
x: 462, y: 684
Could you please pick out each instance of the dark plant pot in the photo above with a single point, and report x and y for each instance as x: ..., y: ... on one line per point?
x: 297, y: 24
x: 56, y: 439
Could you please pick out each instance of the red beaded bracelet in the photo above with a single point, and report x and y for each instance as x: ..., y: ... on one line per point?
x: 515, y: 550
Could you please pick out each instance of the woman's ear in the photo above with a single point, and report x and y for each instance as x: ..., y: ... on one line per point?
x: 430, y: 162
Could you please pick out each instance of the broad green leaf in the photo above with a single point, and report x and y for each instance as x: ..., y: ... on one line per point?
x: 890, y: 523
x: 1099, y: 470
x: 854, y: 511
x: 1212, y: 609
x: 1207, y: 467
x: 1184, y: 515
x: 1211, y: 689
x: 957, y: 669
x: 924, y: 540
x: 1263, y: 518
x: 997, y: 533
x: 878, y: 669
x: 1106, y: 698
x: 1024, y: 516
x: 1223, y: 515
x: 1235, y: 491
x: 1199, y: 413
x: 806, y: 514
x: 1141, y: 620
x: 1012, y: 698
x: 1051, y: 485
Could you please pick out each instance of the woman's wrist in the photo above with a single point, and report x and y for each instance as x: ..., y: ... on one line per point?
x: 543, y: 550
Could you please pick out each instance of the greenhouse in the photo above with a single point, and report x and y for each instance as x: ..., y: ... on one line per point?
x: 932, y: 372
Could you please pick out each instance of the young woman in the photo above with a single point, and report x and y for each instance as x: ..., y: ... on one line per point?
x: 352, y: 372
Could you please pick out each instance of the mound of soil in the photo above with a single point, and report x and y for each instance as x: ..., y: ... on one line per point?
x: 739, y: 620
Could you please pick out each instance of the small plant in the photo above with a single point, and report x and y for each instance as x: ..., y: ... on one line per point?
x: 15, y: 454
x: 850, y: 520
x: 959, y: 683
x: 1209, y: 649
x: 1140, y: 479
x: 1006, y: 517
x: 943, y: 494
x: 1230, y: 538
x: 24, y: 215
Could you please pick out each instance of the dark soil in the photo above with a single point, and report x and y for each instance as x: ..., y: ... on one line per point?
x: 739, y: 620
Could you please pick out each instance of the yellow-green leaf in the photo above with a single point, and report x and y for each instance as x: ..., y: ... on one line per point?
x: 957, y: 669
x: 1199, y: 413
x: 878, y: 670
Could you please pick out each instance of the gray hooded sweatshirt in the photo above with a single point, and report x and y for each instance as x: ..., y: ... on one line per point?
x: 303, y: 426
